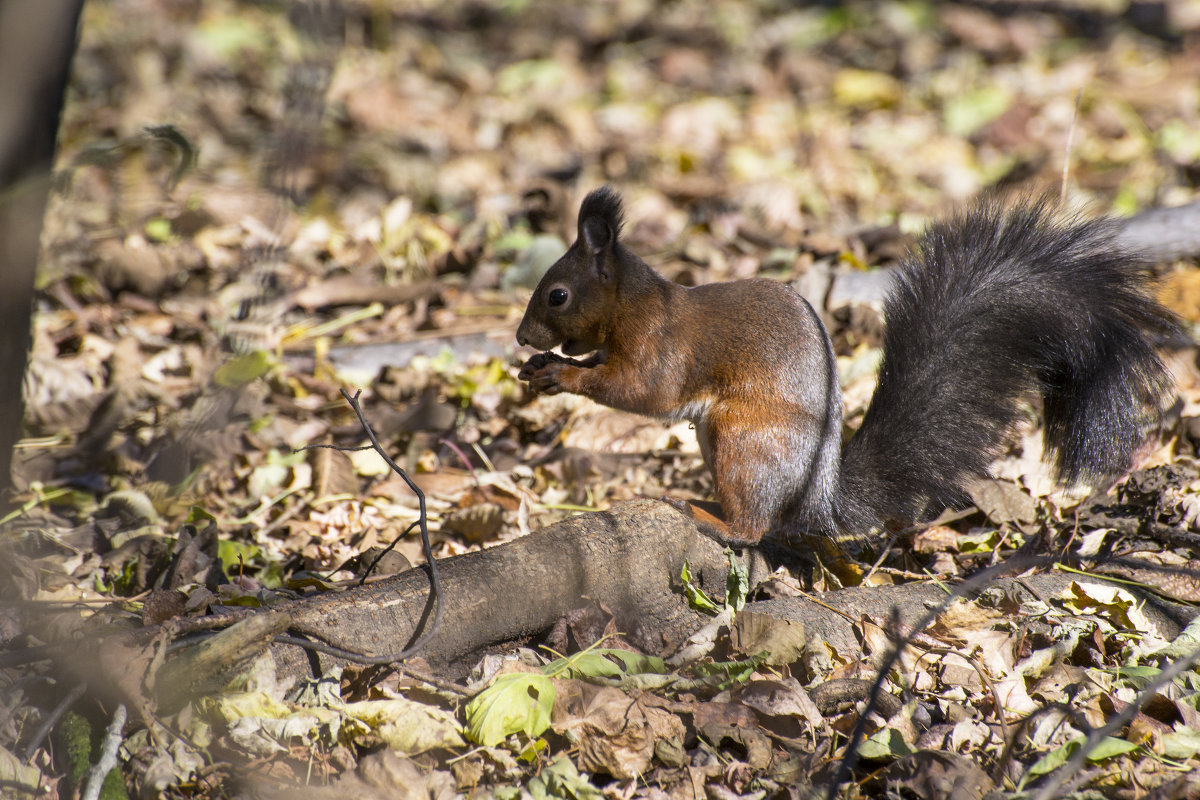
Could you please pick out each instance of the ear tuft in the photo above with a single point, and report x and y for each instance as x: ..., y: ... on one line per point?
x: 600, y: 219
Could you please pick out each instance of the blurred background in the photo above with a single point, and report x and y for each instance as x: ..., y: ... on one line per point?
x: 255, y: 204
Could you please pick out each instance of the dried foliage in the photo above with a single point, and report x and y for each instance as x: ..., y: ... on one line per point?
x: 257, y: 205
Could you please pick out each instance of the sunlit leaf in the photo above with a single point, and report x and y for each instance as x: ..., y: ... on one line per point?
x: 886, y: 743
x: 515, y: 703
x: 561, y: 780
x: 966, y: 112
x: 1106, y: 748
x: 860, y: 87
x: 737, y: 583
x: 239, y: 371
x: 696, y: 597
x: 605, y: 663
x: 158, y: 229
x: 406, y: 725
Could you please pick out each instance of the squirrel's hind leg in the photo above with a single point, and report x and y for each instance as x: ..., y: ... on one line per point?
x: 768, y: 471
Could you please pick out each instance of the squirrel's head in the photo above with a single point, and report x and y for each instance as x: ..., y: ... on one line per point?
x: 574, y: 301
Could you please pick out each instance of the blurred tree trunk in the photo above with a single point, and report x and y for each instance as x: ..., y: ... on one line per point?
x: 37, y: 41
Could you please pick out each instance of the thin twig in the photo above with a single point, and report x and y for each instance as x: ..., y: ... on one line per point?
x: 108, y: 756
x: 977, y: 581
x: 435, y: 582
x: 52, y: 719
x: 1062, y: 191
x: 818, y: 601
x: 329, y: 650
x: 944, y: 518
x: 980, y: 670
x: 374, y: 562
x: 425, y: 677
x: 1077, y: 718
x: 1061, y: 775
x: 487, y: 462
x: 395, y: 541
x: 463, y: 458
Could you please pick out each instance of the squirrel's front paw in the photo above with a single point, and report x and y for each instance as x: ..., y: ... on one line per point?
x: 535, y: 363
x: 548, y: 379
x: 544, y: 373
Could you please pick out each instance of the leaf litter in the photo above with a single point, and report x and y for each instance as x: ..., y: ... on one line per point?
x: 195, y: 322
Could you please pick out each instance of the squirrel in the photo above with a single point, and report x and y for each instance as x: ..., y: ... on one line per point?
x: 993, y: 306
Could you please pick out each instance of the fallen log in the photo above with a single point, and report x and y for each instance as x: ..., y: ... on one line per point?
x: 627, y: 559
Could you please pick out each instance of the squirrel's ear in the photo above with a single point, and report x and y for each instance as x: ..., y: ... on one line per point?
x: 600, y: 220
x: 598, y: 235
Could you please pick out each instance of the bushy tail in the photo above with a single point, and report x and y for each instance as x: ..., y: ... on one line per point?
x: 997, y: 304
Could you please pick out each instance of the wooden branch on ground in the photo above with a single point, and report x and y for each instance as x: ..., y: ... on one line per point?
x: 627, y: 559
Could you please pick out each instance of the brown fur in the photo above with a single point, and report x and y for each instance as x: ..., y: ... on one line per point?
x: 677, y: 353
x: 996, y: 305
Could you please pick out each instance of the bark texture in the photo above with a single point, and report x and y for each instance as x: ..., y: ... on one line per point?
x: 627, y: 559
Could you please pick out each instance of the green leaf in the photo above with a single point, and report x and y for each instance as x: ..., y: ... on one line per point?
x: 1106, y: 748
x: 1054, y: 759
x: 304, y: 579
x: 515, y: 703
x: 696, y: 597
x: 886, y: 743
x: 125, y: 583
x: 1110, y: 747
x: 1181, y: 744
x: 971, y: 543
x: 231, y: 594
x: 158, y: 229
x: 1137, y: 676
x: 733, y: 671
x: 234, y: 554
x: 737, y: 583
x: 967, y: 112
x: 561, y: 779
x: 197, y: 515
x: 237, y: 372
x: 603, y: 663
x: 531, y: 753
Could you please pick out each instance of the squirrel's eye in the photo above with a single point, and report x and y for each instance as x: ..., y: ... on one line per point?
x: 558, y: 296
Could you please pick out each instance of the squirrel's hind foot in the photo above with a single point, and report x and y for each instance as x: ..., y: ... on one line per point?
x: 709, y: 523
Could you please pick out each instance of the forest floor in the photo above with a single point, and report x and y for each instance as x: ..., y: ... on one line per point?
x: 257, y: 206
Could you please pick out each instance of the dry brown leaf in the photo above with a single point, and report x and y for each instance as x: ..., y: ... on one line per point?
x: 753, y: 633
x: 738, y: 723
x: 617, y: 733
